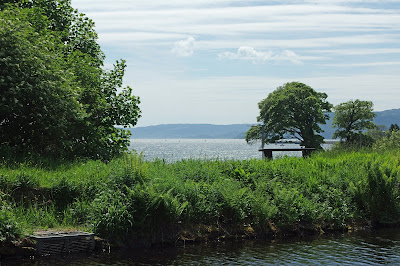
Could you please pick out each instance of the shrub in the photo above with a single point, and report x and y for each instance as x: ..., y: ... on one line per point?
x: 9, y: 229
x: 64, y: 193
x: 377, y: 194
x: 390, y: 143
x: 110, y: 216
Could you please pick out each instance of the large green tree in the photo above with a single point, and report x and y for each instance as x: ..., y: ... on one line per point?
x: 352, y: 117
x: 56, y: 98
x: 293, y: 110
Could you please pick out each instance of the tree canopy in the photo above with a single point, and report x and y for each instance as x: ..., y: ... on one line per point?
x: 56, y: 98
x: 352, y: 117
x: 293, y: 110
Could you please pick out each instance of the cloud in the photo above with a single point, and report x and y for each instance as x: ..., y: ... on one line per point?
x: 290, y: 56
x: 184, y: 47
x: 350, y: 48
x: 251, y: 54
x: 369, y: 64
x: 228, y: 24
x: 234, y: 98
x: 247, y: 53
x: 346, y: 52
x: 225, y: 20
x: 336, y: 41
x: 137, y: 37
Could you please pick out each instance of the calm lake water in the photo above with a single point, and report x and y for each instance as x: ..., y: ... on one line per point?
x: 178, y: 149
x: 368, y: 248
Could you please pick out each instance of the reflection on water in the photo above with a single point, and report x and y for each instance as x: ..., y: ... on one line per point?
x: 178, y: 149
x: 381, y: 247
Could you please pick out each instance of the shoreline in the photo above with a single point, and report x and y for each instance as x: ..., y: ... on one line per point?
x: 24, y: 248
x: 133, y: 203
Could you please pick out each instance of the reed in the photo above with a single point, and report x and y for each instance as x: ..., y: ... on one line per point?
x: 129, y: 198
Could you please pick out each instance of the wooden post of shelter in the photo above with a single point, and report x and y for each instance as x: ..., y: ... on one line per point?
x: 263, y: 140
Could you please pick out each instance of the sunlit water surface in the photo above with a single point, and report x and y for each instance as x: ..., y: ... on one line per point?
x: 178, y: 149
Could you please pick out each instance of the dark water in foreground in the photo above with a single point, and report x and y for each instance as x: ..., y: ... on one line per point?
x: 381, y: 247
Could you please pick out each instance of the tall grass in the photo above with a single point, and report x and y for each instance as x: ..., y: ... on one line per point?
x: 9, y: 228
x: 129, y: 198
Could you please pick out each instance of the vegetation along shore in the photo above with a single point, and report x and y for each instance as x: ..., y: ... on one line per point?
x: 130, y: 202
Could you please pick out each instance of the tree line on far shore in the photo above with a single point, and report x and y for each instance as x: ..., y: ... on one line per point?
x: 296, y: 110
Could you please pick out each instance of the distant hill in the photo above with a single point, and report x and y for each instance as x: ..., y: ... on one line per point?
x: 385, y: 118
x: 388, y: 117
x: 327, y: 128
x: 236, y: 131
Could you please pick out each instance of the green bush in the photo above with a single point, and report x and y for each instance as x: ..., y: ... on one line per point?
x: 9, y: 229
x: 389, y: 143
x: 64, y: 193
x: 129, y: 198
x: 377, y: 195
x: 110, y: 215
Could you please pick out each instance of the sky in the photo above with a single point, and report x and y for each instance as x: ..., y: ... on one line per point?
x: 213, y: 61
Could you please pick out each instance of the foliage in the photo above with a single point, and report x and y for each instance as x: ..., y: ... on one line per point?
x: 377, y: 132
x: 9, y: 229
x: 109, y: 213
x: 388, y: 143
x: 352, y: 116
x: 254, y: 134
x: 130, y: 199
x: 56, y: 99
x: 293, y: 110
x: 378, y: 193
x: 394, y: 127
x: 33, y: 118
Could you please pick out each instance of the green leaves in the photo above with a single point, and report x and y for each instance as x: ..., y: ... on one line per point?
x: 38, y: 93
x: 352, y: 116
x: 9, y: 229
x: 293, y: 110
x: 388, y: 143
x: 56, y: 99
x: 129, y: 199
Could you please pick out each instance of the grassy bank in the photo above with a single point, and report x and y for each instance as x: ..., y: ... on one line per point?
x: 130, y: 201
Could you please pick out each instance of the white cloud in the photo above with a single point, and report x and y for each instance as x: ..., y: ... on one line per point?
x: 184, y: 47
x: 251, y: 54
x: 233, y: 99
x: 335, y: 41
x: 247, y: 53
x: 369, y: 64
x: 134, y: 38
x: 353, y: 45
x: 259, y: 22
x: 347, y: 1
x: 290, y: 56
x: 243, y: 19
x: 220, y: 25
x: 375, y: 51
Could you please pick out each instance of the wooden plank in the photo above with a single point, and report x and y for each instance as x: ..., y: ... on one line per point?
x: 289, y: 149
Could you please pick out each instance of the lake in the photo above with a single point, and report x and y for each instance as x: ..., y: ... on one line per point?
x: 178, y: 149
